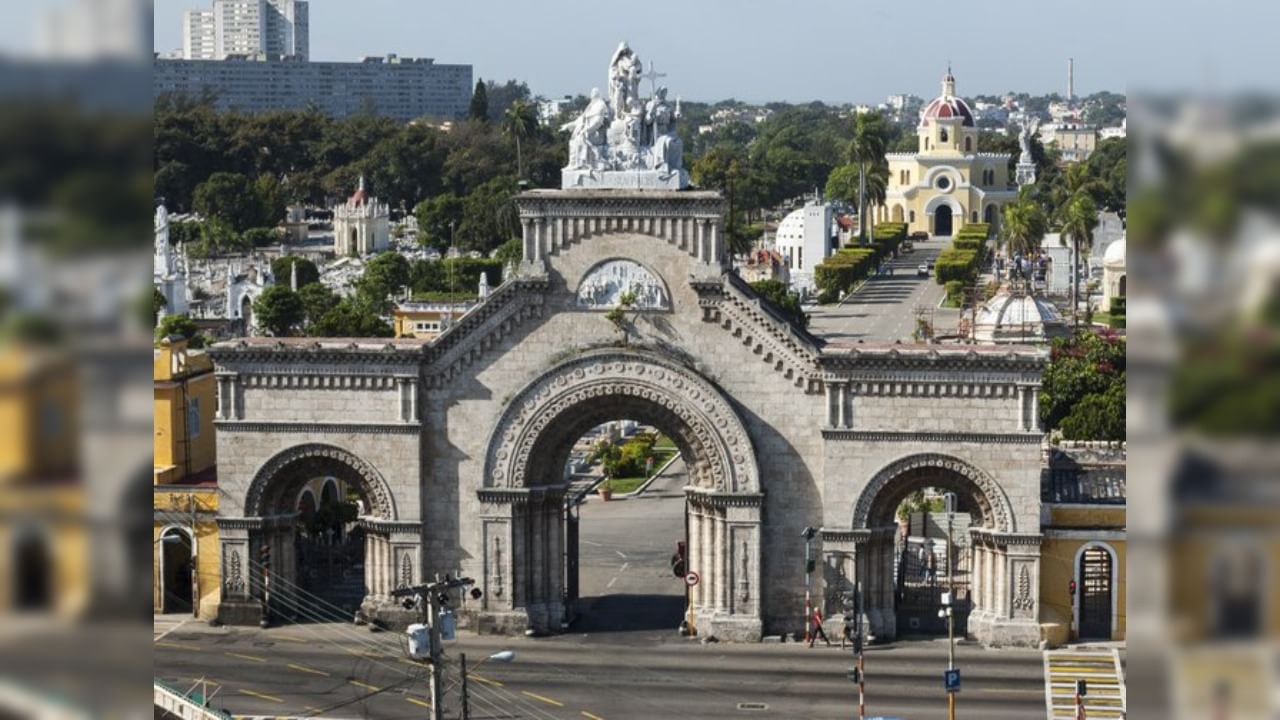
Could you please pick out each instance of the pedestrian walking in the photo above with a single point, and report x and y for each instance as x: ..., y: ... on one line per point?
x: 931, y: 567
x: 846, y: 633
x: 816, y: 619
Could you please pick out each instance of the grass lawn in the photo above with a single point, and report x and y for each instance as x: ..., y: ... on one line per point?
x: 622, y: 486
x: 660, y: 457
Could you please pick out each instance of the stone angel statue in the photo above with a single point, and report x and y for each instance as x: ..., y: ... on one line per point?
x: 587, y: 133
x: 1024, y: 140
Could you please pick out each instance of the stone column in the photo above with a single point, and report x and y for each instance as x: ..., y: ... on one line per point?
x: 841, y: 390
x: 1035, y: 409
x: 719, y: 551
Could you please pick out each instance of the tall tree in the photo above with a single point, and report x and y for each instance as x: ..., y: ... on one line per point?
x: 518, y: 122
x: 1079, y: 221
x: 866, y: 150
x: 1023, y: 224
x: 479, y: 109
x: 279, y: 310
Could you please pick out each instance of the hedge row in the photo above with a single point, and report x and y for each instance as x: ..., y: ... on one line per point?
x: 955, y: 293
x: 843, y: 269
x: 977, y: 230
x: 889, y: 231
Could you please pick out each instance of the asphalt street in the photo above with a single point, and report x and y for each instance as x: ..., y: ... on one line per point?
x: 883, y: 308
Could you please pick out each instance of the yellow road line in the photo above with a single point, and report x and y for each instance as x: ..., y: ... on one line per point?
x: 162, y: 643
x: 589, y: 716
x: 416, y: 701
x: 254, y: 658
x: 543, y: 698
x: 367, y: 686
x: 305, y: 669
x: 272, y: 698
x: 485, y: 680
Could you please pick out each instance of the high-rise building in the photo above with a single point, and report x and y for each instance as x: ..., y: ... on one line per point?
x: 247, y: 27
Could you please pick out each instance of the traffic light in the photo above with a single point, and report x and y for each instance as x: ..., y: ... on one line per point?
x: 264, y: 553
x: 1082, y: 687
x: 810, y: 565
x: 1072, y: 588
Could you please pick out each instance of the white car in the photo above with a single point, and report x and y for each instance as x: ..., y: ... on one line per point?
x: 922, y: 270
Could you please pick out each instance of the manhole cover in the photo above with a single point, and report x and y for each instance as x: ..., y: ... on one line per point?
x: 752, y: 706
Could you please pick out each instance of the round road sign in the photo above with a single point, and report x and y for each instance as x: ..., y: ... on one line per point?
x: 691, y: 578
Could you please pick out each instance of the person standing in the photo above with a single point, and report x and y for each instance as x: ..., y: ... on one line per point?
x: 816, y: 621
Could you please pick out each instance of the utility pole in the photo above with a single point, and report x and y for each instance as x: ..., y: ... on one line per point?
x: 809, y: 567
x: 857, y: 649
x: 434, y: 596
x: 195, y: 558
x: 265, y: 552
x: 950, y: 499
x: 466, y: 710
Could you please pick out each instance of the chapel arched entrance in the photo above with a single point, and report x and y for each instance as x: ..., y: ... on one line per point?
x: 322, y: 559
x: 904, y: 562
x: 942, y: 221
x: 524, y: 517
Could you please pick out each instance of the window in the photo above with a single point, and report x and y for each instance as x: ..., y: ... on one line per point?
x: 942, y: 135
x: 193, y: 417
x: 800, y: 258
x: 968, y: 144
x: 913, y: 216
x: 427, y: 326
x: 944, y: 182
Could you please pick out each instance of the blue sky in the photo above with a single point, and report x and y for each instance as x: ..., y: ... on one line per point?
x: 800, y: 50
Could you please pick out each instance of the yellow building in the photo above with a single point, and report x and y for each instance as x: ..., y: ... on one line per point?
x: 185, y: 498
x: 425, y: 319
x: 44, y: 538
x: 1082, y: 554
x: 946, y: 183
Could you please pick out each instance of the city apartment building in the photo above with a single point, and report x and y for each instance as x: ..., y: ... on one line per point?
x: 247, y: 27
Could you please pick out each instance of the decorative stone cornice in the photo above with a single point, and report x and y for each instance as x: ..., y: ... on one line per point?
x: 319, y: 427
x: 724, y: 499
x: 853, y: 535
x: 613, y: 205
x: 943, y: 437
x: 390, y: 526
x: 240, y: 523
x: 847, y: 359
x: 520, y: 496
x: 997, y: 537
x: 790, y: 350
x: 299, y: 353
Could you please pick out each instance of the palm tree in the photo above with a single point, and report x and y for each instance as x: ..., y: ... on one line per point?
x: 866, y: 150
x: 1023, y: 224
x: 1079, y: 218
x: 518, y: 122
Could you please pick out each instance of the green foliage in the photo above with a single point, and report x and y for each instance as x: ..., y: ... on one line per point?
x: 351, y: 318
x: 842, y: 270
x: 317, y: 301
x: 479, y: 107
x: 262, y: 236
x: 185, y: 232
x: 460, y: 274
x: 889, y: 231
x: 157, y: 304
x: 489, y: 215
x: 435, y: 215
x: 974, y: 230
x: 954, y: 264
x: 786, y: 302
x: 955, y: 293
x: 1086, y: 365
x: 282, y: 269
x: 182, y: 326
x: 510, y: 252
x: 232, y: 199
x: 278, y: 310
x: 383, y: 278
x: 445, y: 297
x: 1117, y: 306
x: 1023, y: 225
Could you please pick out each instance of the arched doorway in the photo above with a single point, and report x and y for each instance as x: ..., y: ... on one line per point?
x: 246, y: 312
x: 1095, y: 576
x: 942, y: 221
x: 524, y: 521
x: 176, y: 567
x: 32, y: 573
x: 907, y: 560
x: 1237, y: 593
x: 897, y: 213
x: 325, y: 560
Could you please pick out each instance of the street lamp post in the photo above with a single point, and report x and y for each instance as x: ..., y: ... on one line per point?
x: 808, y: 534
x: 950, y: 598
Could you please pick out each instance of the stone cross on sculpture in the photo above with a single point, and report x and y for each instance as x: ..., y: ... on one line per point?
x: 623, y: 140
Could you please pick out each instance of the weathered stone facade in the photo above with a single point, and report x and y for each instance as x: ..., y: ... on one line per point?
x: 458, y: 444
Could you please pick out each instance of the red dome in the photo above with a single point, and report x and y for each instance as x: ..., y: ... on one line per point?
x: 945, y: 108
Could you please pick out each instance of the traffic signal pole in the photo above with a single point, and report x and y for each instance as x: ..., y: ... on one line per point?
x: 433, y: 595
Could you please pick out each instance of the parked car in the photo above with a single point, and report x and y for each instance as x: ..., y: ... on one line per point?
x: 918, y: 235
x: 922, y: 270
x: 908, y: 246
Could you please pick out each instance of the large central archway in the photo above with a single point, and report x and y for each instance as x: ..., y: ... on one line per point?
x: 523, y: 487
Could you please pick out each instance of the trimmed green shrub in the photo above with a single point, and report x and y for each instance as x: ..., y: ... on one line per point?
x: 954, y: 264
x: 889, y: 231
x: 975, y: 230
x: 1117, y: 306
x: 955, y: 292
x: 843, y: 269
x: 968, y: 243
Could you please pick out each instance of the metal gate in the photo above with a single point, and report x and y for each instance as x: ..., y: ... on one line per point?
x: 1095, y: 594
x: 571, y: 559
x: 922, y: 577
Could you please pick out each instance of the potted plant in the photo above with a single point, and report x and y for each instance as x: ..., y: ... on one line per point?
x: 604, y: 489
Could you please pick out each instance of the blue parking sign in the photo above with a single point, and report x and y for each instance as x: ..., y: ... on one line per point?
x: 951, y: 680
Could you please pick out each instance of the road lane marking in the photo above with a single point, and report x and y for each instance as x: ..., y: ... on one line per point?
x: 367, y: 686
x: 254, y: 658
x: 305, y: 669
x: 176, y: 645
x: 589, y: 716
x: 416, y: 701
x: 272, y: 698
x: 487, y: 681
x: 624, y: 567
x: 621, y: 554
x: 612, y: 580
x: 543, y: 698
x: 166, y: 632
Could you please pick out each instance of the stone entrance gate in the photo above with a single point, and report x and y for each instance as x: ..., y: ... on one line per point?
x: 460, y: 443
